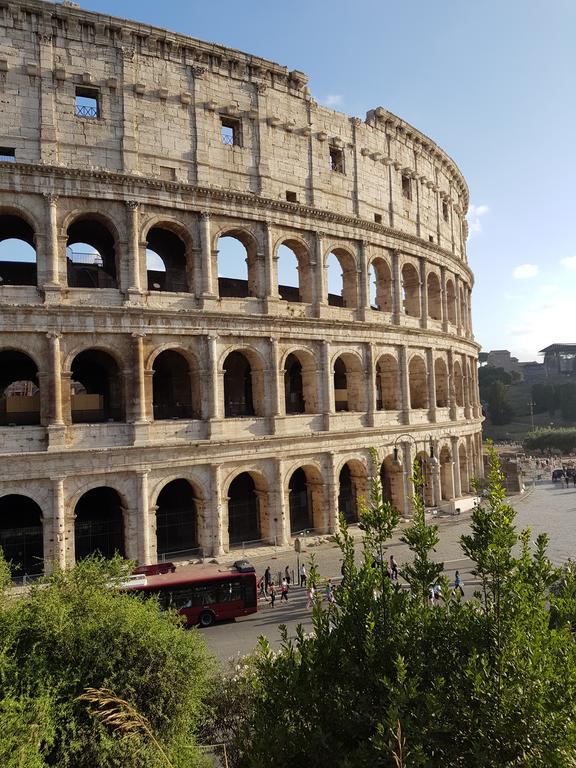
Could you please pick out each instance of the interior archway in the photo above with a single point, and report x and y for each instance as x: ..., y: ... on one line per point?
x: 99, y: 524
x: 91, y: 254
x: 434, y: 296
x: 17, y: 251
x: 166, y: 262
x: 172, y: 387
x: 96, y: 386
x: 19, y: 392
x: 418, y: 383
x: 176, y: 521
x: 244, y: 524
x: 387, y: 384
x: 21, y: 534
x: 410, y: 290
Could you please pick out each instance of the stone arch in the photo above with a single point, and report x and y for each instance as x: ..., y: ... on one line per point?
x: 463, y: 468
x: 177, y: 519
x: 388, y: 397
x: 299, y: 290
x: 21, y: 533
x: 418, y: 382
x: 17, y: 249
x: 451, y: 301
x: 352, y: 485
x: 306, y: 499
x: 300, y: 382
x: 238, y: 282
x: 346, y: 283
x: 96, y: 387
x: 434, y: 294
x: 381, y: 285
x: 175, y: 385
x: 98, y: 266
x: 169, y: 256
x: 410, y: 284
x: 348, y: 378
x: 442, y: 383
x: 19, y: 389
x: 99, y: 523
x: 458, y: 384
x: 247, y: 494
x: 446, y: 474
x: 392, y: 481
x: 243, y: 383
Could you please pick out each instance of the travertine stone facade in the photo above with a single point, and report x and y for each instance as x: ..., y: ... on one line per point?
x: 210, y: 412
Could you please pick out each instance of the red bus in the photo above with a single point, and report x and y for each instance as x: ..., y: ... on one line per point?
x: 202, y: 595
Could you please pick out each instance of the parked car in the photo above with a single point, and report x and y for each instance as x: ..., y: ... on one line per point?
x: 557, y: 474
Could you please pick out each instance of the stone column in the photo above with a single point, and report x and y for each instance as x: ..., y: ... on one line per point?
x: 328, y: 406
x: 275, y: 385
x: 451, y: 387
x: 144, y: 518
x: 396, y: 288
x: 456, y: 468
x: 370, y: 377
x: 218, y: 516
x: 404, y: 383
x: 280, y: 509
x: 321, y: 290
x: 407, y: 460
x: 140, y: 394
x: 214, y: 409
x: 53, y: 265
x: 435, y: 471
x: 444, y: 299
x: 59, y: 523
x: 431, y: 384
x: 467, y: 388
x: 332, y: 494
x: 209, y: 280
x: 56, y: 428
x: 133, y: 225
x: 270, y: 265
x: 459, y: 329
x: 423, y: 293
x: 363, y: 280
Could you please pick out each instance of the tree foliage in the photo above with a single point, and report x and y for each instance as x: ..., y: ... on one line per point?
x: 75, y: 631
x: 387, y: 679
x: 559, y: 439
x: 555, y: 396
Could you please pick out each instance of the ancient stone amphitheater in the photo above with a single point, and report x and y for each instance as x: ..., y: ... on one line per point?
x: 163, y: 394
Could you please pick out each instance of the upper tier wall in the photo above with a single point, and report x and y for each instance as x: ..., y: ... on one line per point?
x: 161, y: 101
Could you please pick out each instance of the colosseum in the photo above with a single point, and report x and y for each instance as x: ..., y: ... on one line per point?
x: 156, y: 400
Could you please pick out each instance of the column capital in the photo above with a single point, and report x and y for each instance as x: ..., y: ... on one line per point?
x: 138, y: 335
x: 50, y: 197
x: 53, y: 335
x: 132, y: 205
x: 204, y: 215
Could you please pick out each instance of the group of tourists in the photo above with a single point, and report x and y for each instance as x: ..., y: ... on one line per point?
x: 269, y: 591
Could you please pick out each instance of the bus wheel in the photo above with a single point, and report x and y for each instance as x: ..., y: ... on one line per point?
x: 206, y: 618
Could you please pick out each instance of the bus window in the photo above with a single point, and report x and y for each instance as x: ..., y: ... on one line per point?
x: 249, y: 587
x: 229, y: 591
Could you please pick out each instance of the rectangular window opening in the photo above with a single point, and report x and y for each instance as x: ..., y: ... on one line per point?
x: 230, y: 132
x: 406, y: 187
x: 87, y: 102
x: 291, y: 197
x: 378, y: 218
x: 445, y: 211
x: 431, y: 238
x: 336, y: 160
x: 7, y: 155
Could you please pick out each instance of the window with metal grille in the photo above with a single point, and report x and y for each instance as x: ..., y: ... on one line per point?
x: 87, y: 103
x: 336, y: 160
x: 230, y: 132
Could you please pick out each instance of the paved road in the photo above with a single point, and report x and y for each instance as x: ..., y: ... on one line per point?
x: 544, y: 508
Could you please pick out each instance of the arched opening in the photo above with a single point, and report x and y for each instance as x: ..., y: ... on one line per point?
x: 17, y: 252
x: 434, y: 296
x: 20, y: 396
x: 299, y: 502
x: 21, y: 537
x: 166, y: 263
x: 458, y: 385
x: 99, y: 525
x: 348, y: 383
x: 392, y: 480
x: 91, y: 255
x: 96, y: 388
x: 427, y: 490
x: 446, y: 474
x: 342, y: 279
x: 293, y: 385
x: 172, y: 387
x: 294, y: 275
x: 410, y: 290
x: 238, y: 386
x: 347, y: 495
x: 441, y: 375
x: 464, y: 472
x: 176, y: 520
x: 387, y: 384
x: 236, y: 256
x: 380, y: 286
x: 418, y: 383
x: 243, y: 510
x: 451, y: 302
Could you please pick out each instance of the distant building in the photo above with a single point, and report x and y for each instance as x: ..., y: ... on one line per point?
x: 501, y: 358
x: 559, y: 359
x: 532, y: 372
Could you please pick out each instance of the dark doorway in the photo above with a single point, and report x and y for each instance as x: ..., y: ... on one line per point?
x: 99, y: 527
x: 238, y: 400
x: 299, y: 502
x: 176, y: 520
x: 96, y: 388
x: 21, y: 537
x: 293, y: 385
x: 243, y: 510
x: 172, y: 387
x: 91, y: 255
x: 19, y: 393
x: 166, y: 272
x: 347, y: 501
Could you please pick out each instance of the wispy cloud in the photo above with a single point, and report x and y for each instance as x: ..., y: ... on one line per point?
x: 332, y: 100
x: 525, y: 271
x: 569, y: 262
x: 474, y: 216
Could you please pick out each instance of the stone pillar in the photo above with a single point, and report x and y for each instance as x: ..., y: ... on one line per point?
x: 280, y: 510
x: 451, y: 387
x: 332, y: 494
x: 56, y: 428
x: 370, y: 377
x: 214, y: 409
x: 133, y: 225
x: 144, y: 555
x: 431, y: 384
x: 275, y: 385
x: 140, y: 393
x: 321, y: 290
x: 467, y: 388
x: 404, y: 383
x: 435, y: 471
x: 456, y: 468
x: 396, y: 288
x: 53, y: 265
x: 59, y: 555
x: 209, y: 280
x: 363, y: 280
x: 270, y: 265
x: 444, y: 299
x: 217, y: 513
x: 328, y: 406
x: 423, y: 293
x: 407, y: 460
x: 459, y: 329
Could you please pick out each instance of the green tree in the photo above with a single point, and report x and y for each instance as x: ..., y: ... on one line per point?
x: 75, y: 631
x: 561, y: 440
x: 499, y: 409
x: 567, y: 398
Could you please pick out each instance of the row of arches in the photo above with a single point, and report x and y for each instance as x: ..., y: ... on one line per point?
x: 93, y: 260
x: 101, y: 524
x: 176, y: 386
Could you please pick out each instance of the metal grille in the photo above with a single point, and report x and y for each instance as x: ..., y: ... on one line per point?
x: 86, y: 111
x: 228, y: 137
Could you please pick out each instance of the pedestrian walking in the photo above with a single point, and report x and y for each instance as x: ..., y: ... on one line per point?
x: 272, y: 593
x: 311, y: 593
x: 458, y: 584
x: 267, y: 578
x: 393, y: 568
x: 330, y: 592
x: 303, y: 575
x: 287, y: 575
x: 284, y: 590
x: 262, y: 589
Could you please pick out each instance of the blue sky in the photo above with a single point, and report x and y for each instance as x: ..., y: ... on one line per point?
x: 492, y: 81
